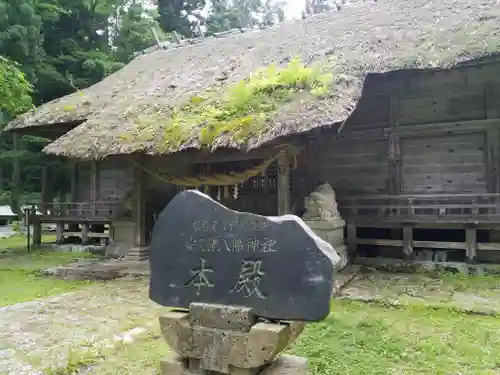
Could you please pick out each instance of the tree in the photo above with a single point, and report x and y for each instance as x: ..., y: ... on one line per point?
x: 176, y: 15
x: 317, y: 6
x: 15, y: 90
x: 226, y: 14
x: 20, y: 35
x: 134, y: 31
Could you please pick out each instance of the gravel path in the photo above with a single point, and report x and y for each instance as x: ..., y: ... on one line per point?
x: 44, y: 333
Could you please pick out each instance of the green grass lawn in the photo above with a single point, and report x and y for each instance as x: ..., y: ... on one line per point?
x: 363, y: 339
x: 20, y: 280
x: 360, y: 338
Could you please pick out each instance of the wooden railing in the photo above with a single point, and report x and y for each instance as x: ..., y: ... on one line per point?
x: 423, y: 208
x: 99, y: 209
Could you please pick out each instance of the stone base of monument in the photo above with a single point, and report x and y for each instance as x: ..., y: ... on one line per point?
x: 228, y: 340
x: 332, y: 231
x: 283, y: 365
x: 138, y: 254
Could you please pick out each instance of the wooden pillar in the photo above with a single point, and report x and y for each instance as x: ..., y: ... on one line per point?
x: 37, y: 232
x: 60, y: 232
x: 139, y: 209
x: 72, y: 207
x: 493, y: 160
x: 94, y: 186
x: 85, y: 233
x: 471, y: 244
x: 408, y: 240
x: 351, y: 239
x: 139, y: 250
x: 74, y: 182
x: 394, y: 157
x: 45, y: 190
x: 284, y: 184
x: 16, y: 175
x: 111, y: 234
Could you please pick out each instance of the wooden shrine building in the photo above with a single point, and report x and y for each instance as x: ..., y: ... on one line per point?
x: 407, y: 133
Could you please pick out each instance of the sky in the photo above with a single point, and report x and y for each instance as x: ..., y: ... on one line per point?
x: 293, y: 8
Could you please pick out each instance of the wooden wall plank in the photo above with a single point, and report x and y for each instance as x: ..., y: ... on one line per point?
x: 442, y: 106
x: 116, y: 179
x: 84, y: 181
x: 353, y: 166
x: 16, y: 174
x: 417, y: 81
x: 492, y: 106
x: 445, y: 164
x: 493, y: 160
x: 372, y: 111
x: 284, y: 185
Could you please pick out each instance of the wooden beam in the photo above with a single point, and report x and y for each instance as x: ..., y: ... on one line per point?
x: 93, y: 185
x: 37, y: 232
x: 60, y: 232
x: 16, y: 175
x: 478, y: 72
x: 378, y: 242
x: 471, y: 243
x: 139, y: 208
x: 408, y: 240
x: 454, y: 127
x: 351, y: 239
x: 284, y: 184
x: 493, y: 160
x: 420, y: 129
x: 394, y: 147
x: 45, y: 189
x: 492, y: 141
x: 488, y: 246
x: 490, y: 96
x: 74, y: 182
x: 394, y: 158
x: 85, y: 233
x: 204, y: 157
x: 413, y: 244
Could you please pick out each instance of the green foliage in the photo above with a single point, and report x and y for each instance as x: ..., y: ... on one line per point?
x: 66, y: 45
x: 236, y: 14
x: 60, y: 46
x: 15, y: 90
x: 135, y: 32
x: 176, y: 15
x: 243, y: 111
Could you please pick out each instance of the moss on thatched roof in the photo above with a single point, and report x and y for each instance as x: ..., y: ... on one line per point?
x: 369, y: 37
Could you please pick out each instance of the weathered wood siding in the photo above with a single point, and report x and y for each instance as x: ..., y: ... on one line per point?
x: 406, y: 135
x: 451, y: 163
x: 115, y: 179
x: 352, y: 166
x: 442, y: 105
x: 83, y: 182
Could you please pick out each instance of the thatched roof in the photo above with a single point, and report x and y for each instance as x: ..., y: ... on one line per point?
x: 370, y: 37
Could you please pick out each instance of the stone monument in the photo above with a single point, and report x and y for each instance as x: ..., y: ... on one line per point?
x: 241, y: 287
x: 322, y: 216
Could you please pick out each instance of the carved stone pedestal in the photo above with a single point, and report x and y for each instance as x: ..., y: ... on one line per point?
x: 216, y: 339
x: 332, y: 231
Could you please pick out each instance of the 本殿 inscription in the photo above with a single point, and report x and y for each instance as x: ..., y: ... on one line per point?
x: 202, y: 251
